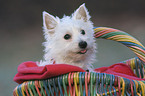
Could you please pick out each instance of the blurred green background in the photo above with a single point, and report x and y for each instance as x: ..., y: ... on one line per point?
x: 21, y: 31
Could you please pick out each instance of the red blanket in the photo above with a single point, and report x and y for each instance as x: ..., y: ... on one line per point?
x: 30, y: 71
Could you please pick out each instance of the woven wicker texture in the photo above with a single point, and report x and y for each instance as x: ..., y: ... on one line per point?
x: 94, y: 84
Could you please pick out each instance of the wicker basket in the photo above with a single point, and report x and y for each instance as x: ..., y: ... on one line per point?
x: 90, y: 83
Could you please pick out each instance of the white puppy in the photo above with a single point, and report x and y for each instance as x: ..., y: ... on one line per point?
x: 69, y: 40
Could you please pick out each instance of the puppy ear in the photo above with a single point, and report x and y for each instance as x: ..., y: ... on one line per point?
x: 82, y: 13
x: 49, y: 22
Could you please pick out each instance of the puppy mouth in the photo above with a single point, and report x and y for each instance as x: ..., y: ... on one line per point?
x: 82, y: 51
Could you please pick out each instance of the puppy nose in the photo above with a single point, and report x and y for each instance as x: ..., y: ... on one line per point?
x: 83, y: 44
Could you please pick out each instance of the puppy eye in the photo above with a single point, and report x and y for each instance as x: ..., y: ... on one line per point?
x: 67, y: 36
x: 83, y: 32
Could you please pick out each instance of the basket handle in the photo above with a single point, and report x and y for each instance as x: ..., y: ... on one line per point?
x: 137, y: 64
x: 122, y: 37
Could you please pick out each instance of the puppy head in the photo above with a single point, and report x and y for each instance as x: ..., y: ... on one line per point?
x: 70, y: 38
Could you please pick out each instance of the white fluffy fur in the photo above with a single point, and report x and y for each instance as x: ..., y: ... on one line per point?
x: 66, y: 51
